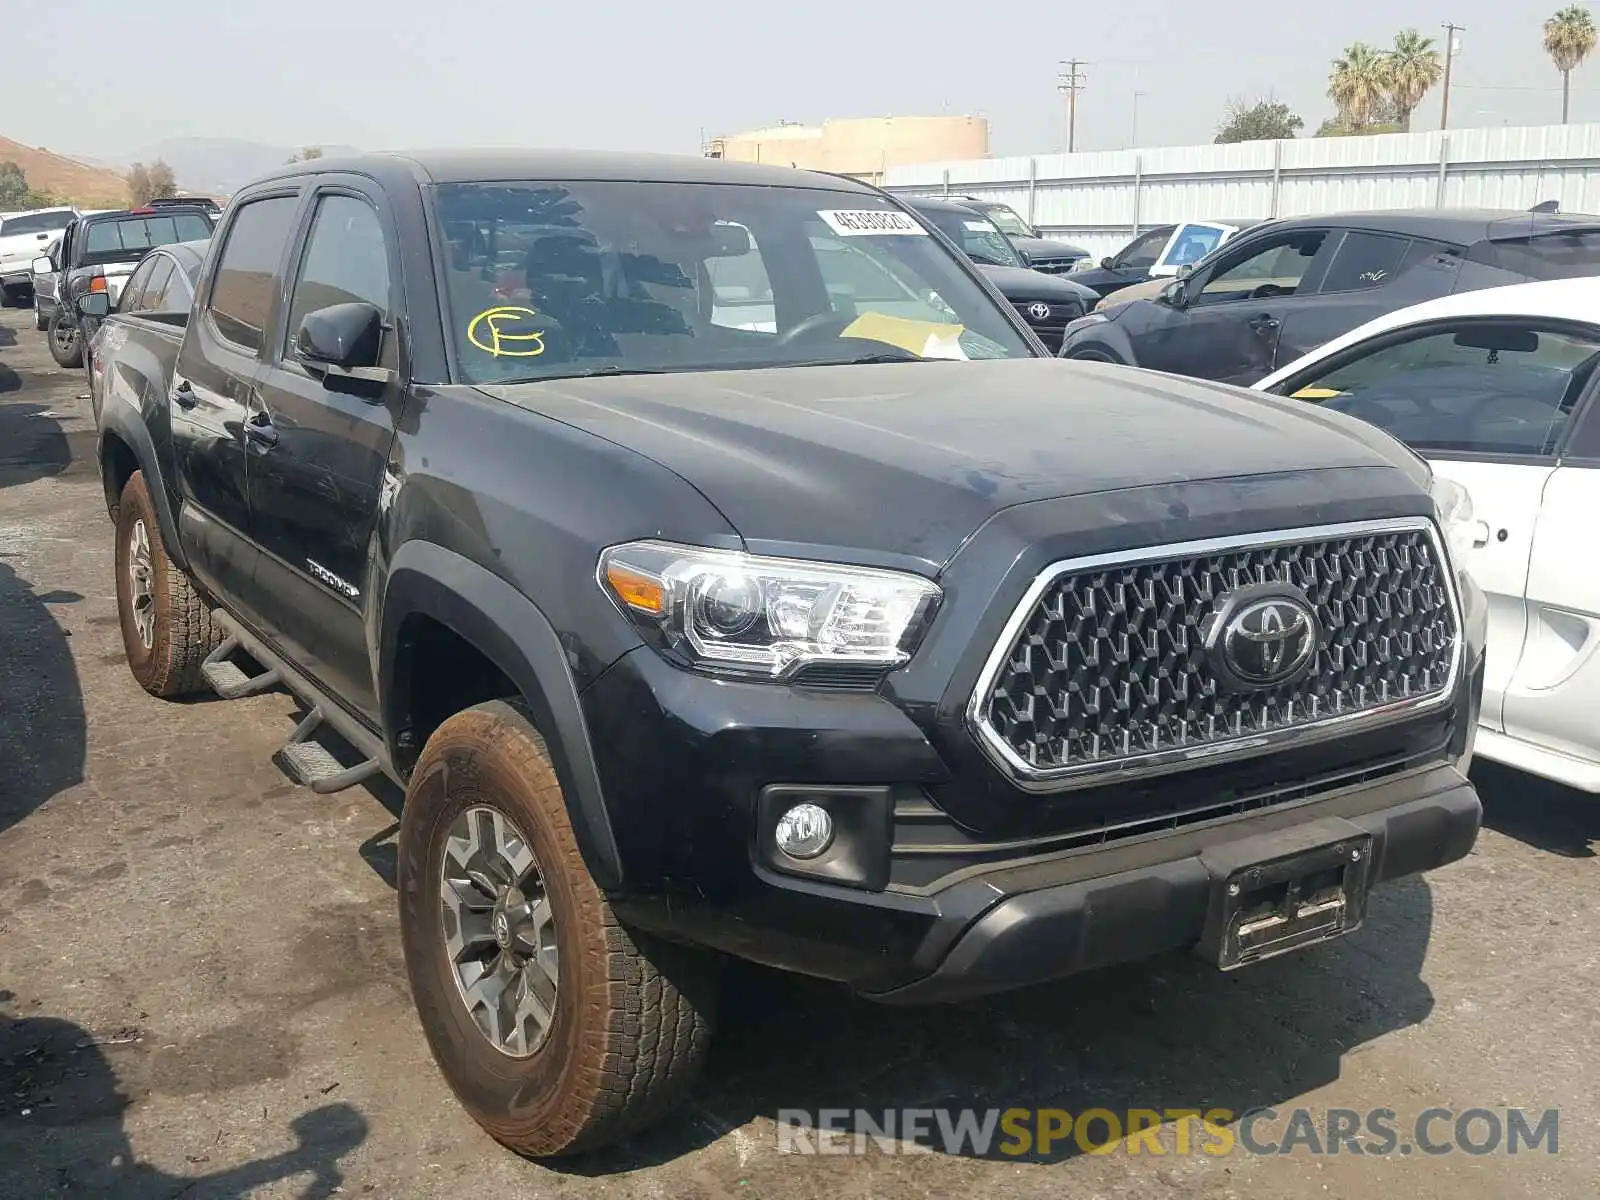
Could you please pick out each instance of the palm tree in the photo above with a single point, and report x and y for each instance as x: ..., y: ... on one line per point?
x: 1359, y: 84
x: 1569, y: 36
x: 1413, y: 68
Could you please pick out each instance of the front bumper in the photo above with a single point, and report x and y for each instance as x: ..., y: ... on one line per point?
x: 12, y: 279
x: 1114, y: 907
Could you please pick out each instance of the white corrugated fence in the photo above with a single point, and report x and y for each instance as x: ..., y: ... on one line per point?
x: 1099, y: 200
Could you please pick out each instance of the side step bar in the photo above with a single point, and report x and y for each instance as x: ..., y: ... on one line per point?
x: 307, y: 762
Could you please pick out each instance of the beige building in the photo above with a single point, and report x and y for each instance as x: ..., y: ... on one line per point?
x: 862, y: 146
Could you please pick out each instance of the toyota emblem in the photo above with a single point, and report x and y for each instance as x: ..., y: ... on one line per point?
x: 1263, y: 636
x: 1038, y: 310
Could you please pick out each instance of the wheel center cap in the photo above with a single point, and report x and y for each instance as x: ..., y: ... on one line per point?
x: 502, y: 929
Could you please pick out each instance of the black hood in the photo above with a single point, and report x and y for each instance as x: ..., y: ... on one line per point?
x: 1020, y: 283
x: 1032, y: 247
x: 905, y: 461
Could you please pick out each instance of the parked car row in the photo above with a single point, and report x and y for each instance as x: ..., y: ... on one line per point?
x: 94, y: 252
x: 723, y: 566
x: 1424, y: 325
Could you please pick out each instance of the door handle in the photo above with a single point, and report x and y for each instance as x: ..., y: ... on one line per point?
x: 1480, y: 535
x: 1264, y: 323
x: 183, y: 395
x: 259, y: 428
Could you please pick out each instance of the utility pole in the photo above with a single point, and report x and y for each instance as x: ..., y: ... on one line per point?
x: 1069, y: 82
x: 1450, y: 31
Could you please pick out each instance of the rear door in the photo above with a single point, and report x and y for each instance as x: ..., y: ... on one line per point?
x: 215, y: 381
x: 1554, y: 701
x: 1367, y: 274
x: 314, y: 485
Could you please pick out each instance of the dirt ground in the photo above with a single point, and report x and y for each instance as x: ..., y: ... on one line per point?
x: 201, y: 990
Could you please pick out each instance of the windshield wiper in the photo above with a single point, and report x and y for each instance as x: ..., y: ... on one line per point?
x: 861, y: 360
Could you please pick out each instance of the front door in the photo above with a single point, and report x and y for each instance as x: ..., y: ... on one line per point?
x: 1232, y: 312
x: 212, y: 387
x: 315, y: 482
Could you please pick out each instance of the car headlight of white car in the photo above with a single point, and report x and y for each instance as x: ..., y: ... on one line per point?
x: 1452, y: 507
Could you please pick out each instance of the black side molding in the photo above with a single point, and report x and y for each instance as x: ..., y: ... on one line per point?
x: 510, y: 630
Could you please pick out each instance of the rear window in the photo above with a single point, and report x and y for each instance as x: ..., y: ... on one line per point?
x: 128, y: 238
x: 44, y: 222
x: 1551, y: 255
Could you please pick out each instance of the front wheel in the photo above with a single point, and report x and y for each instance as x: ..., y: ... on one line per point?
x: 40, y: 321
x: 1094, y: 356
x: 558, y: 1029
x: 66, y: 345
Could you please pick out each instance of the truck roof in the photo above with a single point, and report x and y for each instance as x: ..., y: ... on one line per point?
x: 478, y: 166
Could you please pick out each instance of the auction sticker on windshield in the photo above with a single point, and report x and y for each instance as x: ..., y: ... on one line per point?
x: 874, y: 222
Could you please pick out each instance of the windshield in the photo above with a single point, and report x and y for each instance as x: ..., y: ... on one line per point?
x: 977, y: 237
x: 126, y: 239
x: 1008, y: 221
x: 44, y: 222
x: 547, y: 280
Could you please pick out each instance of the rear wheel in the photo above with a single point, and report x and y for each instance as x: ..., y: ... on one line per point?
x: 66, y: 346
x: 558, y: 1029
x: 167, y: 629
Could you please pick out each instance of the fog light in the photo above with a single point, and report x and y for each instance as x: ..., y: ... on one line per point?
x: 805, y: 831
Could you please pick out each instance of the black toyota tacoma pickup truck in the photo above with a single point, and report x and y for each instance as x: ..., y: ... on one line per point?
x: 723, y: 568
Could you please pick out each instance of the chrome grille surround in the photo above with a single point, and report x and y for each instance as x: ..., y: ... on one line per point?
x: 1266, y: 734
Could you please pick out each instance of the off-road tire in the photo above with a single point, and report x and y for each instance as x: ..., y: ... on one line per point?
x: 184, y: 630
x: 633, y: 1016
x: 40, y: 321
x: 67, y: 353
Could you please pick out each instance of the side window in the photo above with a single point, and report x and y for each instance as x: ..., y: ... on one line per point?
x: 1270, y: 267
x: 128, y: 298
x: 241, y: 297
x: 1478, y: 387
x: 1364, y: 261
x: 345, y: 262
x: 176, y: 295
x: 741, y: 291
x: 1141, y: 253
x: 161, y: 272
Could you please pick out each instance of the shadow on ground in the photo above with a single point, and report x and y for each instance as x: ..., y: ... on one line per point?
x: 1171, y: 1033
x: 62, y: 1108
x: 43, y: 733
x: 32, y: 445
x: 1543, y: 814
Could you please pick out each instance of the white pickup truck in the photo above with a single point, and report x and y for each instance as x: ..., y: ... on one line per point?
x: 23, y: 238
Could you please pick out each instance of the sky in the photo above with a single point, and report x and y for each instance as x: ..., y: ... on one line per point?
x: 105, y: 78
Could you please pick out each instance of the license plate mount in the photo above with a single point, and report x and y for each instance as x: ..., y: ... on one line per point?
x: 1286, y: 891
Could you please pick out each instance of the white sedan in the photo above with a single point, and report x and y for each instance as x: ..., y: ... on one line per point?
x: 1496, y: 388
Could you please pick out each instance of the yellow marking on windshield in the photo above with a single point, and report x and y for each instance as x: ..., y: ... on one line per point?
x: 493, y: 323
x: 1316, y: 393
x: 927, y: 339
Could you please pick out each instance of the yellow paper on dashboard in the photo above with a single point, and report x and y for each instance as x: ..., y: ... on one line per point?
x: 927, y: 339
x: 1316, y: 393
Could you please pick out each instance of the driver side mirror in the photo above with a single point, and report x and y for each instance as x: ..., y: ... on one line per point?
x: 1108, y: 263
x: 41, y: 266
x: 342, y: 340
x: 1176, y: 293
x: 1185, y: 269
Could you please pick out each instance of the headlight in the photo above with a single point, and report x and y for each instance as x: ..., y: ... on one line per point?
x: 1452, y: 505
x: 738, y: 613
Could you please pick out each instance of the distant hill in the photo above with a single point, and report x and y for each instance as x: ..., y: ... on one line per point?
x: 217, y: 166
x: 67, y: 178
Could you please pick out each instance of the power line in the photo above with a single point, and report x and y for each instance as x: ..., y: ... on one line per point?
x: 1070, y: 82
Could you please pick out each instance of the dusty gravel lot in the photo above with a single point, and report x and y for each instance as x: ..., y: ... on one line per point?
x: 201, y: 990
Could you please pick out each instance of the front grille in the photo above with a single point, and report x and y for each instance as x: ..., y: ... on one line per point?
x: 1051, y: 326
x: 1053, y: 266
x: 1103, y: 668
